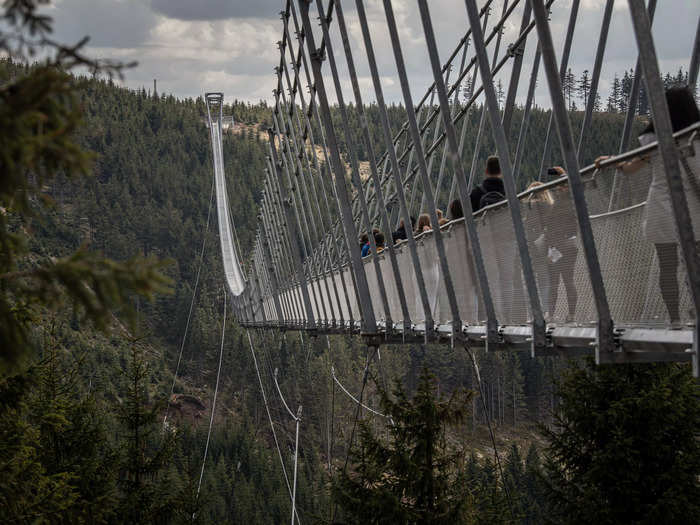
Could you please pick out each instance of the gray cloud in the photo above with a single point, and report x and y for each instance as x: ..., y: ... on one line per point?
x: 227, y: 45
x: 217, y: 9
x: 109, y: 23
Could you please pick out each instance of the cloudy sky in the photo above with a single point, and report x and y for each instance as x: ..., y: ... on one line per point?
x: 193, y: 46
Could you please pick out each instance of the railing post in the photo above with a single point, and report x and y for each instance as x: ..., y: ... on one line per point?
x: 522, y: 134
x: 284, y: 227
x: 564, y: 64
x: 606, y: 341
x: 282, y: 251
x: 379, y: 194
x: 305, y: 132
x: 519, y: 55
x: 633, y: 100
x: 482, y: 119
x: 694, y: 60
x: 271, y: 274
x: 395, y: 168
x: 339, y: 247
x: 597, y: 66
x: 422, y: 167
x: 354, y: 165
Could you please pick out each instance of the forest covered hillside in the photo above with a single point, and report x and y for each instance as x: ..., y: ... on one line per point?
x: 82, y: 433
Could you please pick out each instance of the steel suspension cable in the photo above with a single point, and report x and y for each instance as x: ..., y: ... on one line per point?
x: 194, y: 295
x: 354, y: 422
x: 358, y: 402
x: 269, y: 417
x: 216, y: 391
x: 297, y: 420
x: 491, y: 433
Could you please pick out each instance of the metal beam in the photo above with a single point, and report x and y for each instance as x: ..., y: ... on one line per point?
x: 606, y: 341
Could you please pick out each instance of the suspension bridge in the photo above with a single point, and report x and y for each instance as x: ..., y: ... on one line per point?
x: 568, y: 267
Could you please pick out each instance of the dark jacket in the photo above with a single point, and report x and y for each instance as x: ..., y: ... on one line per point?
x: 399, y: 234
x: 489, y: 184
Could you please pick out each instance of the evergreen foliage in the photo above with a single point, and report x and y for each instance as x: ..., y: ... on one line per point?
x: 411, y: 477
x: 625, y: 447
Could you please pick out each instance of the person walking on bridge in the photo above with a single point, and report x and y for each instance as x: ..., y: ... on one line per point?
x: 658, y: 225
x: 491, y: 189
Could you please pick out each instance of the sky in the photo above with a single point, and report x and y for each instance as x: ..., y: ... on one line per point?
x: 195, y: 46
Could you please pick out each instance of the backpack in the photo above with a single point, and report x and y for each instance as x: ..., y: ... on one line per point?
x: 491, y: 197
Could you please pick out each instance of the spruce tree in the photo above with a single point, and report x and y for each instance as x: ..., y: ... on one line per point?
x: 146, y: 449
x: 613, y: 105
x: 40, y: 115
x: 584, y: 87
x: 411, y: 476
x: 624, y: 448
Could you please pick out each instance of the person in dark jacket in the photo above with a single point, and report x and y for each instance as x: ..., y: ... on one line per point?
x: 400, y: 233
x: 491, y: 189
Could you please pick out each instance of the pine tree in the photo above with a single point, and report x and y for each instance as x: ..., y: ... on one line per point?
x: 145, y: 451
x: 613, y: 105
x: 625, y: 90
x: 533, y: 489
x: 27, y: 492
x: 500, y: 94
x: 569, y: 88
x: 411, y: 477
x: 625, y: 446
x: 584, y: 88
x: 40, y: 114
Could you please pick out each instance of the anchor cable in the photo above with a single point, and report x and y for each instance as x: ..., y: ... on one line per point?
x: 269, y: 417
x: 213, y: 404
x: 493, y: 436
x: 189, y: 313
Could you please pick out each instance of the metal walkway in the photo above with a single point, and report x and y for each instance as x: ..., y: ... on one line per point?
x: 572, y: 266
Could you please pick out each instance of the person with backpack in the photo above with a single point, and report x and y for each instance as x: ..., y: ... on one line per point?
x: 491, y: 189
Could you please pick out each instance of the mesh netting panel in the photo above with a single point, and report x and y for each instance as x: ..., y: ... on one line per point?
x: 375, y: 293
x: 497, y: 239
x: 459, y: 258
x: 643, y: 269
x: 392, y: 294
x: 634, y: 233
